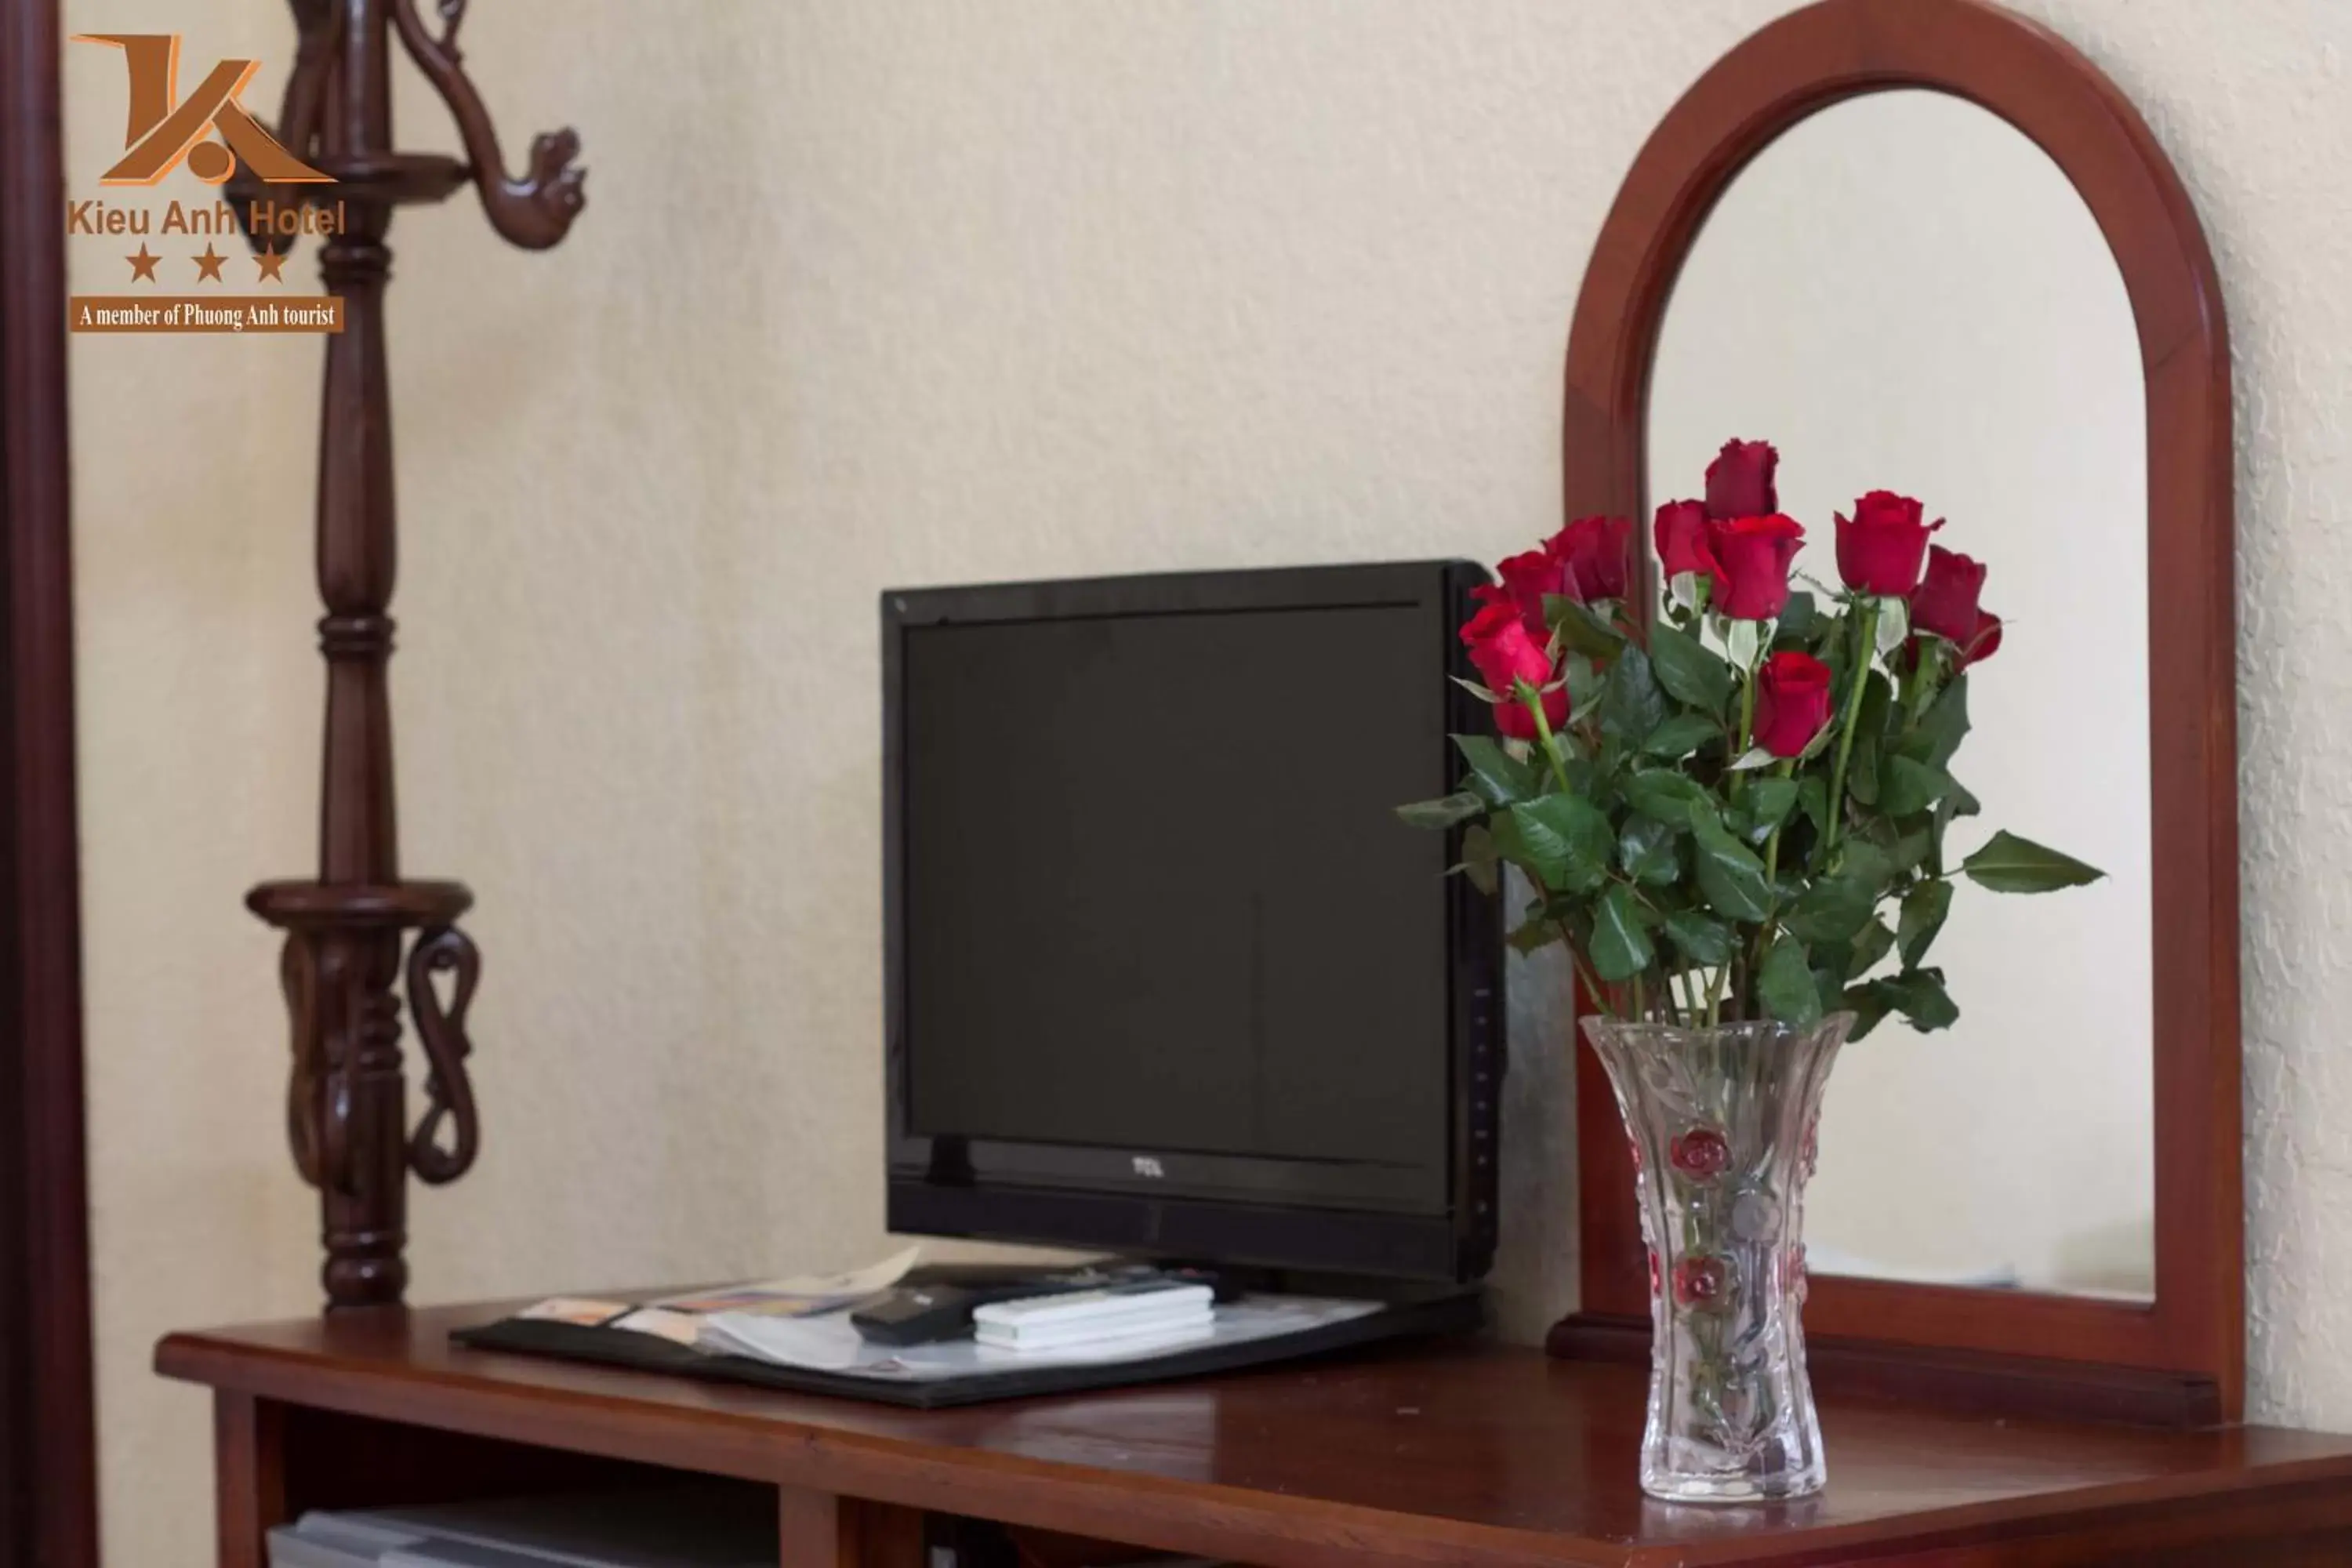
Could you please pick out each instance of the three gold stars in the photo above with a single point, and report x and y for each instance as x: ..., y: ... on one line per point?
x: 270, y: 265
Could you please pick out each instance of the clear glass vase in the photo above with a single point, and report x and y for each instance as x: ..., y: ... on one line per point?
x: 1722, y: 1121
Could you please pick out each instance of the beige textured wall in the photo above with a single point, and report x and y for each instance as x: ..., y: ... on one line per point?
x: 898, y: 290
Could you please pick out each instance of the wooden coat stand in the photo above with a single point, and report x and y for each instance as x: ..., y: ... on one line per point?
x: 342, y: 965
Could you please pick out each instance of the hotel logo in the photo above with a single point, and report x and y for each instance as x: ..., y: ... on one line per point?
x: 209, y: 135
x: 167, y: 130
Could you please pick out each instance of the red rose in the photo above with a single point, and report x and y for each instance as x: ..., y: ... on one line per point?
x: 1740, y: 481
x: 1504, y: 651
x: 1792, y: 702
x: 1945, y: 602
x: 1526, y: 578
x: 1752, y: 556
x: 1880, y: 550
x: 1984, y: 642
x: 1505, y: 654
x: 1592, y: 552
x: 1681, y: 532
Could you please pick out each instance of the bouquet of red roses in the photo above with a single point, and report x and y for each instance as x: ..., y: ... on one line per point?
x: 1738, y: 811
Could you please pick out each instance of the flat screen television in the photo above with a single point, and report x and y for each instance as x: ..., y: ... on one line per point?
x: 1165, y: 974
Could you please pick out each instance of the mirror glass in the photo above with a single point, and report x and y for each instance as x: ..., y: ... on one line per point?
x: 1904, y: 292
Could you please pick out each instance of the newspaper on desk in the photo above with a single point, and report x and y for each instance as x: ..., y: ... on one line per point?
x: 679, y: 1318
x: 829, y: 1341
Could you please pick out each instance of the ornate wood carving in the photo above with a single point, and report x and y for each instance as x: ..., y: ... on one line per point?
x: 341, y: 967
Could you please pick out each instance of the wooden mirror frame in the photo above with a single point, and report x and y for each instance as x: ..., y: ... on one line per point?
x: 2180, y: 1359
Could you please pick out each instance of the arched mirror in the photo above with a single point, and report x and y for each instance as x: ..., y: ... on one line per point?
x: 1904, y: 294
x: 1923, y: 245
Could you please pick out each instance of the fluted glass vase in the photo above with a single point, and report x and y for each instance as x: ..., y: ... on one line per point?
x: 1722, y: 1121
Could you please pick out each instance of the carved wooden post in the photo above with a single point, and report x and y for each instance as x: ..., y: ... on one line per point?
x: 342, y: 968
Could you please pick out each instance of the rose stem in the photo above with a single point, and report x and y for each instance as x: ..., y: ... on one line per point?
x: 1747, y: 729
x: 1533, y: 701
x: 1772, y: 869
x: 1787, y: 769
x: 1862, y: 652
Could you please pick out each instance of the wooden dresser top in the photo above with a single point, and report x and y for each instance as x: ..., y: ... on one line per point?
x: 1463, y: 1452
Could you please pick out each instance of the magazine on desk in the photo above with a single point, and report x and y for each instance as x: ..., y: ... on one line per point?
x: 800, y: 1334
x: 805, y: 1321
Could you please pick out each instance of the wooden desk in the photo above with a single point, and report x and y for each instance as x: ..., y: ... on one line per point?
x: 1458, y: 1454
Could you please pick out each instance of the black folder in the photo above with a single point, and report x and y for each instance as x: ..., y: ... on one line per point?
x: 1453, y: 1312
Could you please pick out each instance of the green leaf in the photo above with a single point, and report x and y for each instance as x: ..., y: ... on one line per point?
x: 1495, y: 773
x: 1664, y: 796
x: 1864, y: 864
x: 1877, y: 701
x: 1908, y: 787
x: 1868, y: 1007
x: 1621, y: 948
x: 1454, y: 809
x: 1829, y: 989
x: 1565, y: 840
x: 1585, y: 685
x: 1633, y: 706
x: 1645, y: 852
x: 1681, y: 735
x: 1876, y: 940
x: 1785, y: 985
x: 1699, y: 939
x: 1730, y: 878
x: 1533, y: 935
x: 1767, y: 805
x: 1924, y: 909
x: 2007, y: 864
x: 1481, y: 860
x: 1813, y: 800
x: 1862, y: 769
x: 1919, y: 995
x: 1962, y: 803
x: 1942, y: 727
x: 1832, y: 912
x: 1798, y: 618
x: 1581, y: 629
x: 1908, y: 851
x: 1688, y: 672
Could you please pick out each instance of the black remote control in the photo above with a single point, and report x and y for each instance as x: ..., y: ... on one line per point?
x: 920, y: 1314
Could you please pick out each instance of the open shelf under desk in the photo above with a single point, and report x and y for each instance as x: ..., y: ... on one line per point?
x: 1455, y: 1452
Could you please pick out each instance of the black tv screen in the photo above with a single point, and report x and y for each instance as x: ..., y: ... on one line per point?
x: 1160, y: 950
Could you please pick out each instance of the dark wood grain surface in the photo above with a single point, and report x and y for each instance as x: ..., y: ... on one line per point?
x: 1463, y: 1452
x: 48, y: 1484
x: 2187, y: 1352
